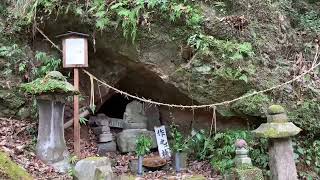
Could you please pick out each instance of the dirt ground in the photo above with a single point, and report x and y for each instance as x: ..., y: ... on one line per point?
x: 18, y: 139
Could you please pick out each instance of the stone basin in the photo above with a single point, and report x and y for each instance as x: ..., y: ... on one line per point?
x: 154, y: 163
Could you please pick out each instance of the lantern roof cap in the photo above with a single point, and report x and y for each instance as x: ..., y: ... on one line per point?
x: 72, y: 33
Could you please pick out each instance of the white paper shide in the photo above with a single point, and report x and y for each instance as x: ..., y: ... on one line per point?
x: 75, y: 51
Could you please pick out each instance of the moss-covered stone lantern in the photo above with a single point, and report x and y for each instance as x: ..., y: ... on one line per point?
x: 279, y: 131
x: 51, y: 92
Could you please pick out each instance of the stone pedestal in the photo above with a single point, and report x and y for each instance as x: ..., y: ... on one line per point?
x: 51, y: 145
x: 281, y: 159
x: 242, y: 157
x: 51, y: 92
x: 279, y: 130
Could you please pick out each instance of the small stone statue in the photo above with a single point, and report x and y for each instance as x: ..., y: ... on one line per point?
x: 242, y: 153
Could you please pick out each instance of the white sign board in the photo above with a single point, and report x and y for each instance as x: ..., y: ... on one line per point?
x: 75, y: 51
x: 162, y: 141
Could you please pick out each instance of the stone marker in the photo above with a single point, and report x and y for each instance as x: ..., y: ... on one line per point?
x: 51, y: 92
x: 279, y: 130
x: 126, y: 140
x: 101, y: 129
x: 153, y: 116
x: 105, y: 137
x: 243, y: 166
x: 103, y: 120
x: 242, y: 154
x: 134, y: 117
x: 117, y: 123
x: 94, y: 168
x: 103, y: 148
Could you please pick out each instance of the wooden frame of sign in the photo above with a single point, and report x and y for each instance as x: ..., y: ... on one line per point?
x: 75, y: 52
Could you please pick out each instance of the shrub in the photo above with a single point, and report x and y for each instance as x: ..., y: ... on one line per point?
x: 220, y: 149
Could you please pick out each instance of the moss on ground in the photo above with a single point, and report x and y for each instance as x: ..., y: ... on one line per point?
x: 10, y: 170
x: 247, y: 172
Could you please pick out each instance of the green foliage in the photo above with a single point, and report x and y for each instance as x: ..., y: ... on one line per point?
x: 10, y: 170
x: 48, y: 85
x: 15, y: 59
x: 128, y: 14
x: 18, y: 62
x: 224, y: 150
x: 48, y: 63
x: 143, y: 145
x: 308, y: 153
x: 201, y: 145
x: 303, y: 115
x: 231, y: 58
x: 73, y: 159
x: 221, y: 151
x: 179, y: 143
x: 83, y: 120
x: 310, y: 21
x: 253, y: 106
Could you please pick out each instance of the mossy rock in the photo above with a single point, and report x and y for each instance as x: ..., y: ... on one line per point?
x: 197, y: 177
x: 53, y: 83
x: 56, y: 75
x: 10, y: 170
x: 276, y: 109
x: 247, y: 172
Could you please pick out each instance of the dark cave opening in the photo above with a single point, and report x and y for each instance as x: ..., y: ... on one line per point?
x: 115, y: 106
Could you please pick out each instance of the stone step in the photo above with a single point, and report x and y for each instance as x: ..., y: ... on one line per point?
x: 100, y: 130
x: 105, y: 137
x: 103, y: 148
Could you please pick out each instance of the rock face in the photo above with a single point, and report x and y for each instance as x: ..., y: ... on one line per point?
x: 94, y: 168
x: 126, y: 140
x: 149, y: 67
x: 153, y: 116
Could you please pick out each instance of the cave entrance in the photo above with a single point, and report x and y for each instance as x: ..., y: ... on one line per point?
x: 115, y: 106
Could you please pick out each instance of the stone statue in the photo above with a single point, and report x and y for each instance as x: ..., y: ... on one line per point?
x: 134, y: 116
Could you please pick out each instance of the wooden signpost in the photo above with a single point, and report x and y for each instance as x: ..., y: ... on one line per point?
x: 75, y: 55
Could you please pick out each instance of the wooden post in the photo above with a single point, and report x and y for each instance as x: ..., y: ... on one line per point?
x: 76, y: 125
x: 75, y: 55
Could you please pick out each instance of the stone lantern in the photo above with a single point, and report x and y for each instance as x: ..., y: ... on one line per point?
x: 51, y: 92
x: 279, y: 131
